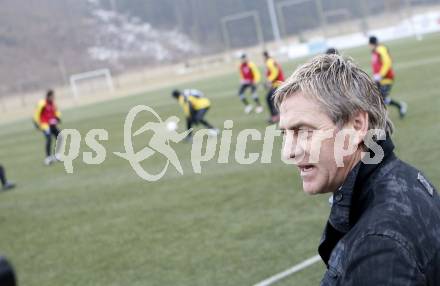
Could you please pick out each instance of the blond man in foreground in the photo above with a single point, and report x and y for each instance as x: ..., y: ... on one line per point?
x: 384, y: 223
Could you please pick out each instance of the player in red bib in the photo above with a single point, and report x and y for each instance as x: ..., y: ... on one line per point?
x: 383, y: 73
x: 250, y: 77
x: 46, y: 119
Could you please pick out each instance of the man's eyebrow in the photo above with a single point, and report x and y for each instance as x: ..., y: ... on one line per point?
x: 297, y: 125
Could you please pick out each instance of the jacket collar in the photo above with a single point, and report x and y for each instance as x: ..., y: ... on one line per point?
x: 343, y: 198
x: 340, y: 212
x: 343, y: 214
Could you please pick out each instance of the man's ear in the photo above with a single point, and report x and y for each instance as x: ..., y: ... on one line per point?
x: 360, y: 125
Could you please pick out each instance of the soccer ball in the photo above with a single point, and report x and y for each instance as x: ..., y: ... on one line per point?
x: 171, y: 126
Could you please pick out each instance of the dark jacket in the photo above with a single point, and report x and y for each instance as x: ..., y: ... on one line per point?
x: 384, y: 227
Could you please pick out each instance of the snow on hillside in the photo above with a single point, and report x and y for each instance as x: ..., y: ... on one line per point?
x: 121, y: 36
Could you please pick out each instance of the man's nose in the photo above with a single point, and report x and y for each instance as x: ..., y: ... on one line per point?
x: 298, y: 153
x: 294, y: 149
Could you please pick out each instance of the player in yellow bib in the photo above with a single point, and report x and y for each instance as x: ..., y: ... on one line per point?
x: 195, y: 105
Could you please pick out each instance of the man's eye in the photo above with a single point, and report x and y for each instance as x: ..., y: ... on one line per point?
x: 305, y: 130
x: 305, y: 133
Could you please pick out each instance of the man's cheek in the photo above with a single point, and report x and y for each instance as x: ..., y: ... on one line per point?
x: 325, y: 155
x: 319, y: 144
x: 344, y: 146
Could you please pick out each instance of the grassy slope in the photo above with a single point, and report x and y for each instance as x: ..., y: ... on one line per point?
x: 232, y: 225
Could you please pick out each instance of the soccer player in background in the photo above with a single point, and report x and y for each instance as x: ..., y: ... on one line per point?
x: 332, y: 51
x: 46, y: 119
x: 274, y: 78
x: 7, y: 273
x: 250, y: 77
x: 195, y: 105
x: 6, y: 185
x: 383, y: 73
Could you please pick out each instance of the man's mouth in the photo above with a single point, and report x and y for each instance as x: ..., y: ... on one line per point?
x: 306, y: 169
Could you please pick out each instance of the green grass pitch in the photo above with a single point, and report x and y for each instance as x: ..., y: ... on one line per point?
x: 232, y: 225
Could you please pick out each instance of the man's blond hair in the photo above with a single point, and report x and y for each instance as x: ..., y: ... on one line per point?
x: 340, y: 87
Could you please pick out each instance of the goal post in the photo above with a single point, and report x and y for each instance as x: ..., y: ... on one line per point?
x: 231, y: 18
x: 76, y: 78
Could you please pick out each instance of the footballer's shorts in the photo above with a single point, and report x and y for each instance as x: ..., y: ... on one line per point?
x: 51, y: 129
x: 270, y: 101
x: 385, y: 90
x: 197, y: 115
x: 246, y: 86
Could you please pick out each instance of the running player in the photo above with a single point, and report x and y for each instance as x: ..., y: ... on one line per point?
x: 274, y: 78
x: 383, y: 73
x: 195, y: 105
x: 46, y: 119
x: 250, y: 77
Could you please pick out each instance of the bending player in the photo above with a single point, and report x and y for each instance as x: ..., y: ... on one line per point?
x: 250, y: 77
x: 195, y: 106
x: 383, y: 73
x: 46, y: 119
x: 274, y: 78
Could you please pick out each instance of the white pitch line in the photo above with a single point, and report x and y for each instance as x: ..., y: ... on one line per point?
x: 306, y: 263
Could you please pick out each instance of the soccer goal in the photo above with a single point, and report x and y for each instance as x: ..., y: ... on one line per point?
x: 306, y: 14
x: 253, y: 15
x: 101, y: 78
